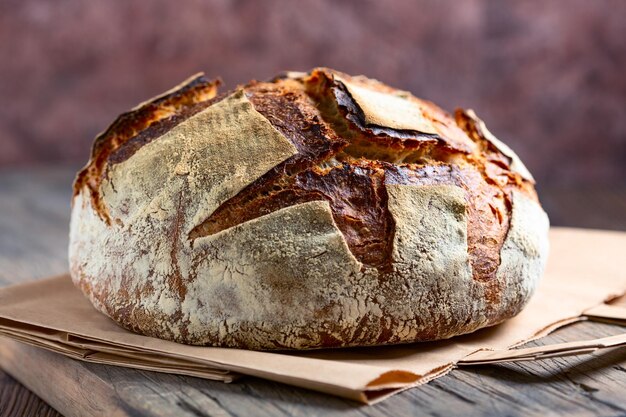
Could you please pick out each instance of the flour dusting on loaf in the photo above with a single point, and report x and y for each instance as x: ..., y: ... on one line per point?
x: 314, y: 210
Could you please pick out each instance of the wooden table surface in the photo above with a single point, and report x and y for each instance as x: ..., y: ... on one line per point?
x: 34, y: 214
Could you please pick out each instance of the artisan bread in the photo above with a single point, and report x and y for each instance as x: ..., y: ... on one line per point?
x: 313, y: 210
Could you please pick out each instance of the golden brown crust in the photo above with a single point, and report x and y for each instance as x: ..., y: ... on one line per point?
x: 351, y: 155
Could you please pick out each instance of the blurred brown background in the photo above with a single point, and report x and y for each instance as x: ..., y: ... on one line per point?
x: 547, y: 76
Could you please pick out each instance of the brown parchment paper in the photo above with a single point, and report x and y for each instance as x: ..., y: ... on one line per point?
x: 586, y: 269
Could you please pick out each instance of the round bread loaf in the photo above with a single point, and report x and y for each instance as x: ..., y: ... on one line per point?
x: 314, y: 210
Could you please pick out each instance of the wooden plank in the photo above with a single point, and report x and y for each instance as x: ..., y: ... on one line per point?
x: 34, y: 218
x: 587, y: 207
x: 16, y: 400
x: 34, y: 212
x: 64, y: 384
